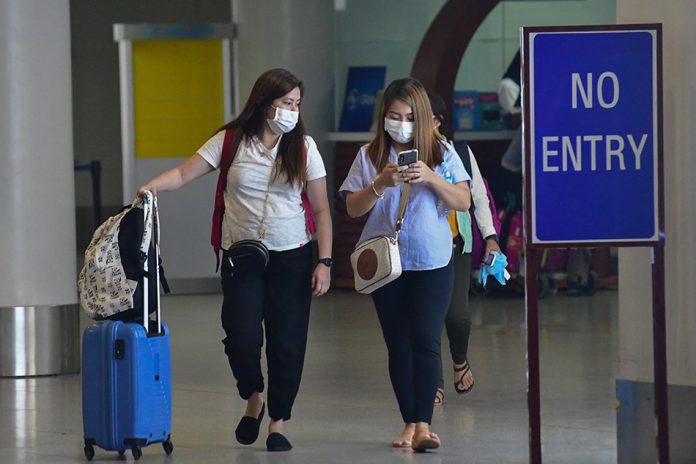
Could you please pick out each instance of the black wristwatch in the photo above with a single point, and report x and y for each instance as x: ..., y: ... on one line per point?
x: 493, y: 236
x: 328, y: 262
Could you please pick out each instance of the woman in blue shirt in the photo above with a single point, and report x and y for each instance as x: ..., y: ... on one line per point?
x: 412, y: 308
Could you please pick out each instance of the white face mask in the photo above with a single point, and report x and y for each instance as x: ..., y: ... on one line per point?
x: 400, y: 131
x: 284, y: 121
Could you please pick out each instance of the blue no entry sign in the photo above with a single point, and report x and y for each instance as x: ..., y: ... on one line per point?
x: 592, y: 141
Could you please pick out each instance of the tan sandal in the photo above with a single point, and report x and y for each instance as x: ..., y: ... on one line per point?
x: 405, y: 440
x: 425, y: 443
x: 402, y: 442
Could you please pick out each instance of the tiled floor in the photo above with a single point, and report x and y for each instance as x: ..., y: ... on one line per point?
x: 346, y: 411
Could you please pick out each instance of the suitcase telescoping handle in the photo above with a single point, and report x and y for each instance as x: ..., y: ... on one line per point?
x: 151, y: 220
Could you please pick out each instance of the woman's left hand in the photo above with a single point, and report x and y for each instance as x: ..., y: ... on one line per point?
x: 491, y: 245
x: 321, y: 280
x: 418, y: 172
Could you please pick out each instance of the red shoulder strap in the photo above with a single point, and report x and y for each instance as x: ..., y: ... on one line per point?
x: 229, y: 150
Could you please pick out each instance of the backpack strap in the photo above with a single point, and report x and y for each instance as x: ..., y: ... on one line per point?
x: 229, y: 150
x: 466, y: 159
x: 145, y: 200
x: 153, y: 274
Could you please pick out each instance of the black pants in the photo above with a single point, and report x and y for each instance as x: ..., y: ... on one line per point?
x: 458, y: 320
x: 411, y: 311
x: 277, y: 300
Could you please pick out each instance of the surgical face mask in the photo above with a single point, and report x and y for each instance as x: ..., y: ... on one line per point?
x: 400, y: 131
x: 284, y: 121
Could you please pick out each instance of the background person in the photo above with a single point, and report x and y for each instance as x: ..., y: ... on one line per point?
x: 458, y: 320
x: 509, y: 98
x: 262, y: 201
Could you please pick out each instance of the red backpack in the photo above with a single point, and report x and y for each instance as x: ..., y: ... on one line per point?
x: 229, y: 150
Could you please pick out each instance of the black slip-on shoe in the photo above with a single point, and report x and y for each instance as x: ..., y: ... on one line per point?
x: 277, y: 442
x: 248, y: 429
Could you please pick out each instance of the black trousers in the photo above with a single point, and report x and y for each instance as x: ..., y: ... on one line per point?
x: 411, y: 311
x: 458, y: 320
x: 278, y: 301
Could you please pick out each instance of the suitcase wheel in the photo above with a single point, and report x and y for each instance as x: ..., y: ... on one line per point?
x: 89, y: 452
x: 137, y: 452
x: 168, y: 446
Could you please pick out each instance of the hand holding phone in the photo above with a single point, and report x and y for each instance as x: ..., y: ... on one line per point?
x: 407, y: 157
x: 490, y: 260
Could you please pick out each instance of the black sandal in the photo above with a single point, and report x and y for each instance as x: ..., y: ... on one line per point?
x: 439, y: 396
x: 459, y: 384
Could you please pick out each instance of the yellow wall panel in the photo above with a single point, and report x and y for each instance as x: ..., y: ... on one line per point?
x: 178, y: 95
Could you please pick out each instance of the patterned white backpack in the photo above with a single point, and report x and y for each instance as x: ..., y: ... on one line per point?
x: 105, y: 289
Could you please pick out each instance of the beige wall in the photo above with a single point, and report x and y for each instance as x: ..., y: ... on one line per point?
x: 635, y: 316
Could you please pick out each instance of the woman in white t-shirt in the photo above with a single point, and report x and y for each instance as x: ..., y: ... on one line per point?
x: 273, y: 170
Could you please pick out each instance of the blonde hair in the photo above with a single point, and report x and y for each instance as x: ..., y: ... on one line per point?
x: 425, y: 140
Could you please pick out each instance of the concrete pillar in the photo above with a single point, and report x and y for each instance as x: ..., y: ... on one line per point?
x: 39, y: 315
x: 635, y: 378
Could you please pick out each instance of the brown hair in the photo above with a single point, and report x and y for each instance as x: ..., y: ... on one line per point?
x: 411, y: 92
x: 438, y: 105
x: 270, y: 85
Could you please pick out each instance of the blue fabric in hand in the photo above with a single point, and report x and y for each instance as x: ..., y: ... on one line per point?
x: 496, y: 269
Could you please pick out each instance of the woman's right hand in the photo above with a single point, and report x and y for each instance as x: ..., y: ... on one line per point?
x: 149, y: 186
x: 361, y: 203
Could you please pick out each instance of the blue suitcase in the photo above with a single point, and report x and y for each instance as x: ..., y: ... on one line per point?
x: 126, y: 388
x: 126, y: 383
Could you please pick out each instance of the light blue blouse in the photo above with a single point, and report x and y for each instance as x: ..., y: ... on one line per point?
x: 425, y: 241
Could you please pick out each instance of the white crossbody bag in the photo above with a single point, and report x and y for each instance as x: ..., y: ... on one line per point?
x: 376, y: 262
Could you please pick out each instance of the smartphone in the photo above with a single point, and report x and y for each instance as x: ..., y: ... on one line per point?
x: 407, y: 157
x: 490, y: 260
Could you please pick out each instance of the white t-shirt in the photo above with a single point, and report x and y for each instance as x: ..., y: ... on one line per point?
x: 247, y: 183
